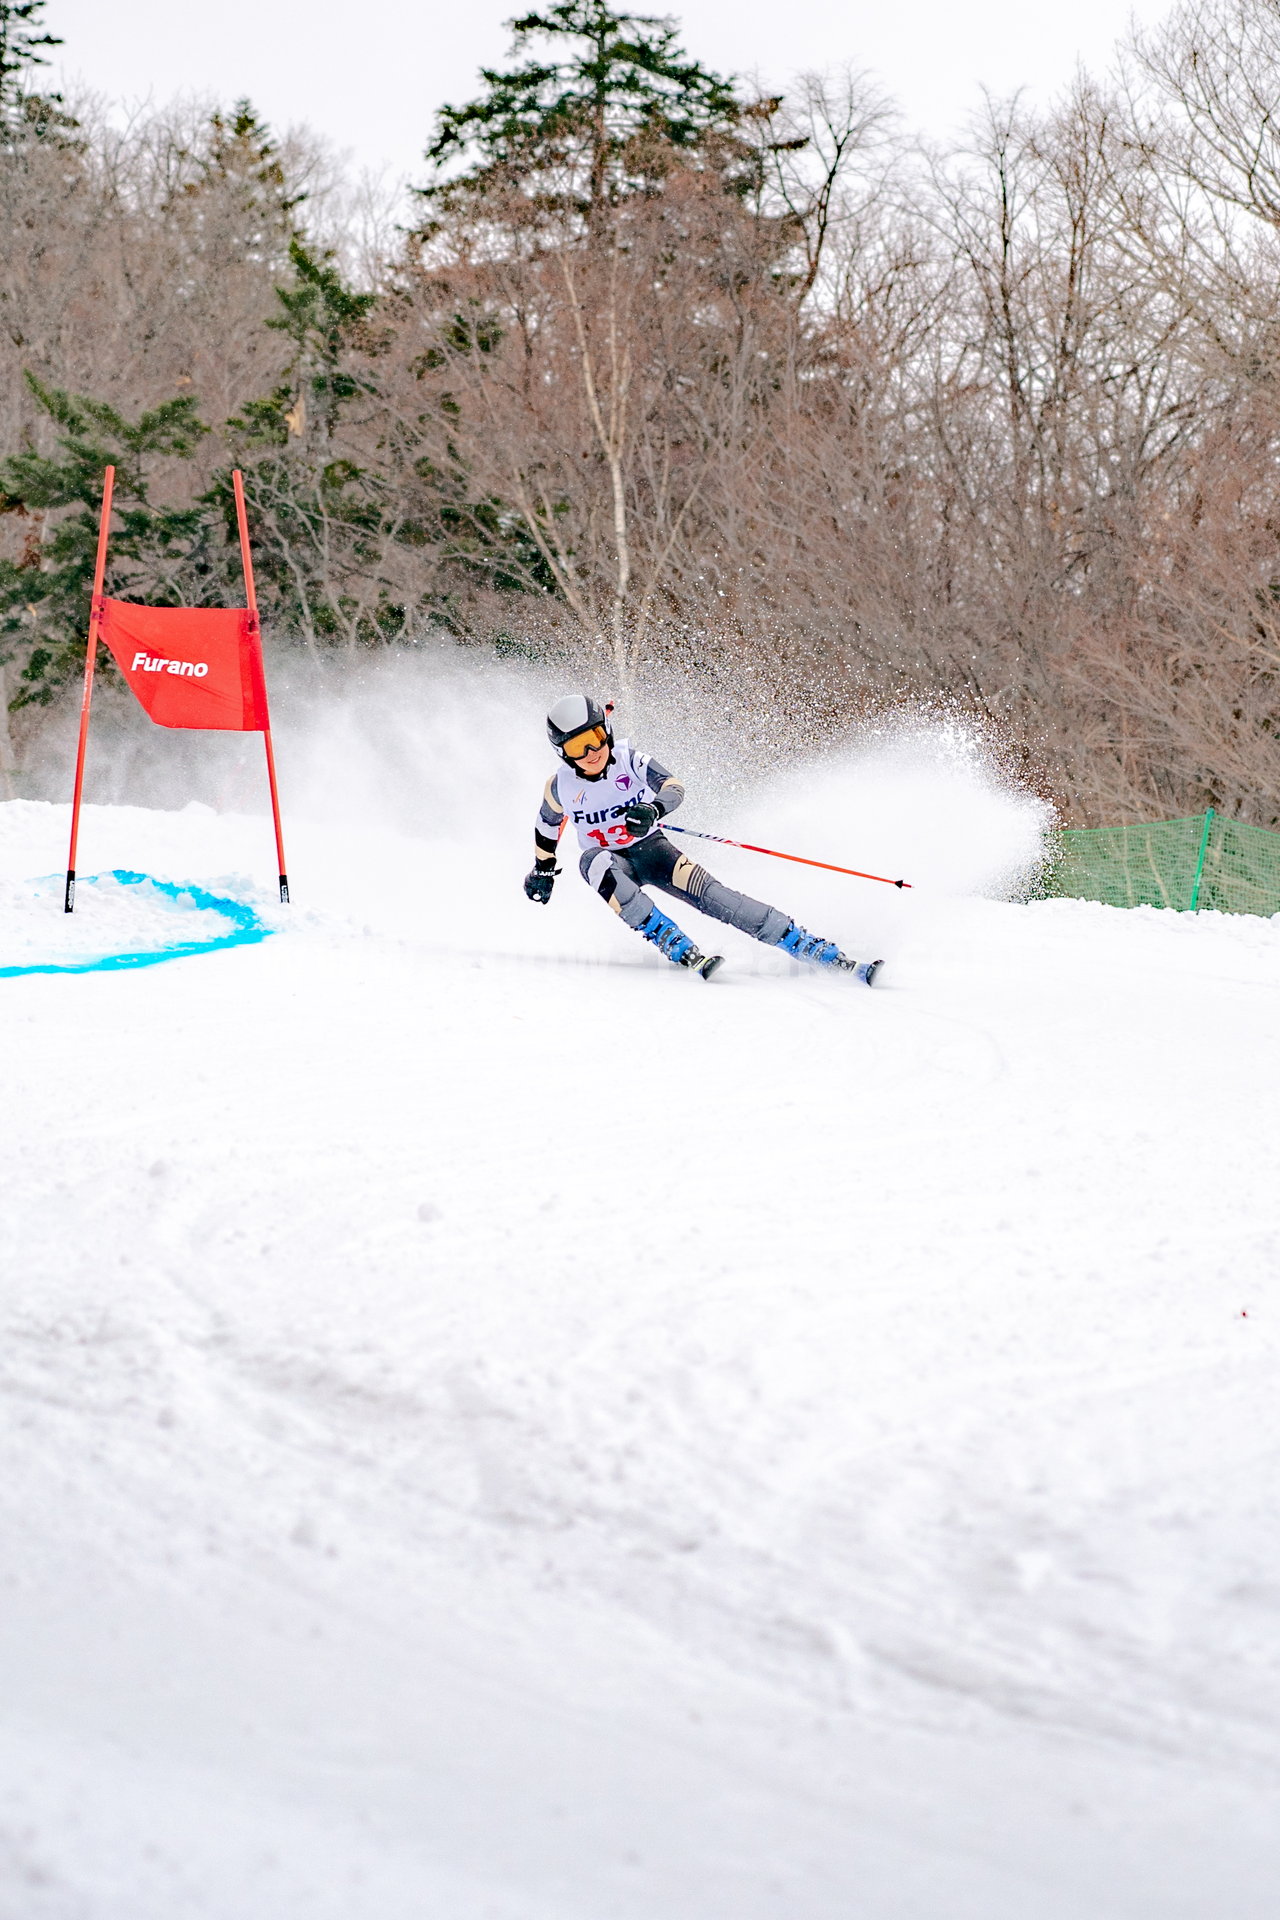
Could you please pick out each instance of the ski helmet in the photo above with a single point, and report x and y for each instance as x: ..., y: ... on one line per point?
x: 575, y: 714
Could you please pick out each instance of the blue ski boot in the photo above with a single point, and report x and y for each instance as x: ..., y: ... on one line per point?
x: 678, y: 947
x: 825, y: 953
x: 811, y: 946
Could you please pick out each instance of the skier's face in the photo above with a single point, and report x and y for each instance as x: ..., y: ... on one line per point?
x: 595, y: 762
x: 589, y: 751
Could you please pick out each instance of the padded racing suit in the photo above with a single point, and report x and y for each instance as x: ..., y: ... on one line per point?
x: 620, y: 866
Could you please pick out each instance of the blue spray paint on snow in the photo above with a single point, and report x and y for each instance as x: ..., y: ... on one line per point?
x: 246, y: 929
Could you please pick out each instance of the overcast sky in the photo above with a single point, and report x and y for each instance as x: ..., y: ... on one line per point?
x: 370, y: 76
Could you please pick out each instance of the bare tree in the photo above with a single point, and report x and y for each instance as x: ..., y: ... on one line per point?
x: 761, y: 391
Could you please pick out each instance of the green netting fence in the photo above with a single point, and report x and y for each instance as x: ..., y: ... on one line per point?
x: 1205, y: 863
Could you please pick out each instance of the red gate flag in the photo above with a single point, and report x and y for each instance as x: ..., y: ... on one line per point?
x: 190, y: 666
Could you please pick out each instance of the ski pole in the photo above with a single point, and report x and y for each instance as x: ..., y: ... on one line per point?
x: 799, y: 858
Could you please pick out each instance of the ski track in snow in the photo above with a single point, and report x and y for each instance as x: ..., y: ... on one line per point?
x: 493, y: 1427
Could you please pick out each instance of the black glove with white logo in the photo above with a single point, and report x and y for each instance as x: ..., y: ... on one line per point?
x: 640, y: 817
x: 538, y: 883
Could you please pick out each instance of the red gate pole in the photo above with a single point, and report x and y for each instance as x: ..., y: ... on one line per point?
x: 90, y: 660
x: 252, y: 600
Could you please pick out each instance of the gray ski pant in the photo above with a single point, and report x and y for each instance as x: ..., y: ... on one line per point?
x: 620, y: 879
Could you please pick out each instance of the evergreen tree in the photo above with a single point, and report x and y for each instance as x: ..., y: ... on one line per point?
x: 585, y: 123
x: 324, y: 318
x: 322, y: 519
x: 19, y: 48
x: 23, y: 110
x: 238, y: 199
x: 156, y: 553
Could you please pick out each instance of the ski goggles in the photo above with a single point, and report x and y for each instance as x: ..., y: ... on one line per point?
x: 589, y: 741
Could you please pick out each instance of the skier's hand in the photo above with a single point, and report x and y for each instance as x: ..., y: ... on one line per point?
x: 639, y: 818
x: 538, y: 883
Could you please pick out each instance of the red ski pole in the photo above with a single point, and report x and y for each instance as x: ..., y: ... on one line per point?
x: 799, y: 858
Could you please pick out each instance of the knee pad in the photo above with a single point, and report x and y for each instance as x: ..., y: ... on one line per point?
x: 611, y: 879
x: 690, y: 878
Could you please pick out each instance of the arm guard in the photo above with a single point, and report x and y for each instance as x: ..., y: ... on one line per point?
x: 548, y: 826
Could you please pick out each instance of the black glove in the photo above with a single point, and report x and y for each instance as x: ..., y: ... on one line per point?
x: 639, y: 818
x: 539, y: 882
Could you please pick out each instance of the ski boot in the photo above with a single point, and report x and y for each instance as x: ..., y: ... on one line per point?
x: 864, y: 970
x: 678, y: 947
x: 825, y: 953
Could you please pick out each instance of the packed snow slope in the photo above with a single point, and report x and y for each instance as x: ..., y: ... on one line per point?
x: 494, y: 1428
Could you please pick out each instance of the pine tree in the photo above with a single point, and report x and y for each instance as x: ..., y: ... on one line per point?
x: 19, y: 44
x: 323, y: 317
x: 239, y: 199
x: 584, y: 124
x: 156, y: 553
x: 321, y: 523
x: 23, y: 110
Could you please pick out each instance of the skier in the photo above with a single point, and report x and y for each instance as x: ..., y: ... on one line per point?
x: 616, y: 798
